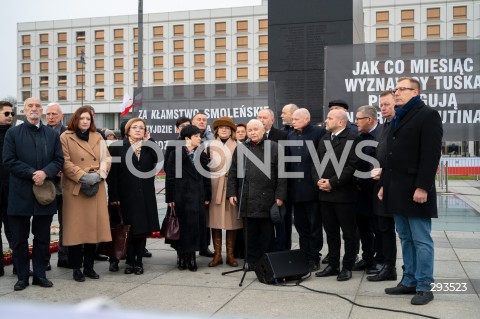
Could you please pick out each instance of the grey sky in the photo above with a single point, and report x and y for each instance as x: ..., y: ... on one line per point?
x: 17, y: 11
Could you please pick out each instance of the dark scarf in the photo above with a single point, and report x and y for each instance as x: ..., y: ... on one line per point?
x: 83, y: 135
x: 400, y: 112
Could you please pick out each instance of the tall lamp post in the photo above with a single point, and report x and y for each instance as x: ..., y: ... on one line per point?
x: 82, y: 62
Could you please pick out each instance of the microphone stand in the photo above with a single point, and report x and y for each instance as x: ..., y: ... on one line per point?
x: 246, y: 266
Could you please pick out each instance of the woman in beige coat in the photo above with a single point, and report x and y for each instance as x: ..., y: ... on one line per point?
x: 85, y: 213
x: 222, y: 215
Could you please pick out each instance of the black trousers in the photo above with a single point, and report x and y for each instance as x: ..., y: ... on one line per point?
x: 308, y: 222
x: 4, y: 221
x: 20, y: 226
x: 260, y: 237
x: 283, y: 230
x: 336, y: 216
x: 371, y: 238
x: 62, y: 250
x: 389, y: 239
x: 82, y: 254
x: 135, y: 250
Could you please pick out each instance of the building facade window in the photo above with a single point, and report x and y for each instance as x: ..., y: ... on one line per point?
x: 178, y: 76
x: 263, y: 57
x: 433, y: 14
x: 220, y: 43
x: 80, y: 94
x: 43, y: 81
x: 199, y: 28
x: 263, y: 25
x: 178, y: 30
x: 99, y: 65
x: 158, y: 77
x: 199, y: 44
x: 26, y: 82
x: 62, y: 95
x: 135, y: 47
x: 199, y: 75
x: 220, y: 27
x: 79, y: 50
x: 220, y: 74
x: 157, y: 46
x: 62, y: 80
x: 407, y: 33
x: 62, y: 66
x: 44, y: 38
x: 43, y: 66
x: 62, y: 37
x: 460, y: 30
x: 118, y: 48
x: 118, y: 34
x: 135, y: 33
x: 99, y: 49
x: 158, y: 31
x: 383, y: 17
x: 118, y: 78
x: 220, y: 59
x: 382, y: 34
x: 242, y: 26
x: 158, y: 61
x: 408, y: 15
x: 135, y: 63
x: 62, y: 52
x: 178, y: 60
x: 263, y: 40
x: 43, y: 53
x: 263, y: 72
x: 242, y: 42
x: 99, y: 78
x: 99, y: 35
x: 26, y: 39
x: 178, y: 45
x: 199, y: 59
x: 99, y: 94
x: 26, y: 54
x: 80, y: 36
x: 242, y: 73
x: 26, y: 95
x: 117, y: 93
x: 80, y: 79
x: 26, y: 68
x: 433, y: 31
x: 44, y: 95
x: 460, y: 12
x: 242, y: 57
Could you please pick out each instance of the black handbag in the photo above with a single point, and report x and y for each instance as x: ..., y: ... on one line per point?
x: 117, y: 248
x: 170, y: 226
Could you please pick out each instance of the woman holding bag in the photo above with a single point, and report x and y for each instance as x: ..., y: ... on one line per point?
x: 85, y: 214
x: 131, y: 184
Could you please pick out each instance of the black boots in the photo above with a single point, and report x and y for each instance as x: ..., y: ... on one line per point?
x: 182, y: 265
x: 388, y: 272
x: 191, y: 261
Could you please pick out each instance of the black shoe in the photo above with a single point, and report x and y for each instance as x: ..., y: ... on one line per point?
x: 42, y: 282
x: 113, y: 266
x: 14, y: 271
x: 344, y: 275
x: 387, y: 273
x: 90, y: 273
x: 422, y: 298
x: 325, y: 260
x: 2, y: 271
x: 374, y: 269
x: 48, y: 267
x: 206, y: 253
x: 313, y: 266
x: 129, y: 270
x: 192, y: 262
x: 146, y: 253
x: 138, y: 270
x: 361, y: 265
x: 401, y: 290
x: 328, y: 271
x: 101, y: 257
x: 78, y: 276
x: 20, y: 285
x: 62, y: 263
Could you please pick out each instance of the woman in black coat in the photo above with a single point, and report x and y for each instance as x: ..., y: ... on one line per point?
x: 188, y: 194
x: 133, y: 192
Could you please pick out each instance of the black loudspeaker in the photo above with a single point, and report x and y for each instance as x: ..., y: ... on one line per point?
x: 281, y: 266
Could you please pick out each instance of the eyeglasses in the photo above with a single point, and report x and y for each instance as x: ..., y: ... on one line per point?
x: 8, y: 113
x: 51, y: 114
x: 224, y: 128
x: 361, y: 118
x: 137, y: 128
x: 401, y: 89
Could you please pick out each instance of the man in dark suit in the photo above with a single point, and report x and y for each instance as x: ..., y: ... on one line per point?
x: 287, y: 115
x: 283, y: 233
x: 414, y: 146
x: 386, y: 223
x: 302, y: 191
x: 338, y: 193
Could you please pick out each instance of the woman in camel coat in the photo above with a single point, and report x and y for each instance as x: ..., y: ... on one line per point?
x: 85, y: 219
x: 222, y: 215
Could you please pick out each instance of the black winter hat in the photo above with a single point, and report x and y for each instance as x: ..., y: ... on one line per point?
x: 341, y: 103
x: 188, y: 131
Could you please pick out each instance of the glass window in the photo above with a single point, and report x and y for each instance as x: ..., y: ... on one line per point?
x: 157, y: 46
x: 25, y: 82
x: 460, y: 30
x: 178, y: 76
x: 178, y: 45
x: 99, y: 78
x: 199, y: 75
x: 242, y: 73
x: 79, y: 66
x: 199, y: 44
x: 263, y: 57
x: 44, y: 38
x: 135, y: 47
x: 199, y: 59
x: 158, y: 77
x: 178, y: 30
x: 80, y: 36
x: 118, y: 78
x: 220, y: 58
x: 118, y: 64
x: 118, y: 93
x: 80, y: 94
x: 263, y: 25
x: 118, y: 34
x: 135, y: 62
x: 383, y: 17
x: 158, y: 61
x: 263, y: 40
x: 26, y: 55
x: 62, y: 37
x: 43, y: 53
x: 220, y: 27
x: 382, y: 34
x: 178, y: 60
x: 44, y: 81
x: 220, y: 43
x: 62, y: 52
x: 80, y: 79
x: 135, y: 33
x: 460, y: 12
x: 62, y: 95
x: 242, y: 26
x: 79, y: 50
x: 26, y: 39
x: 433, y: 14
x: 242, y: 57
x: 62, y: 80
x: 158, y: 31
x: 43, y: 66
x: 408, y: 32
x: 44, y: 95
x: 263, y: 72
x: 26, y: 95
x: 242, y: 42
x: 433, y: 31
x: 99, y: 94
x: 62, y: 66
x: 25, y: 67
x: 408, y: 15
x: 118, y: 48
x: 220, y: 74
x: 99, y: 35
x: 199, y: 28
x: 99, y: 49
x: 99, y: 65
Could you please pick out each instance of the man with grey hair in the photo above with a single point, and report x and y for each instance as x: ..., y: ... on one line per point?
x: 287, y: 114
x: 302, y: 192
x: 338, y: 194
x: 372, y: 257
x: 257, y: 192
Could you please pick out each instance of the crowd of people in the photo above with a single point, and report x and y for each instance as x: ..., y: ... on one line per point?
x: 354, y: 181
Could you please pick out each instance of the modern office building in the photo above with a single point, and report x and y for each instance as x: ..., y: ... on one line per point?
x: 189, y: 47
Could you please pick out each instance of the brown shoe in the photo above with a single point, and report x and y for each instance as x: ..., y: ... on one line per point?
x: 231, y: 235
x: 217, y: 245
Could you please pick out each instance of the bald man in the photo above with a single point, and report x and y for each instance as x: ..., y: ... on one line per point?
x: 301, y: 191
x: 338, y: 195
x: 287, y: 115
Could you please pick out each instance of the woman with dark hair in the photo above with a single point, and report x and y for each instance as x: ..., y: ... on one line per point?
x: 134, y: 193
x: 188, y: 194
x: 85, y: 213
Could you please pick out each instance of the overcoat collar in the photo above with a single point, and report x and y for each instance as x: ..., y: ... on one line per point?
x: 93, y: 140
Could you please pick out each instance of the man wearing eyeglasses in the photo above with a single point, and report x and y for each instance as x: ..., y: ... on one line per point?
x: 6, y: 118
x: 408, y: 186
